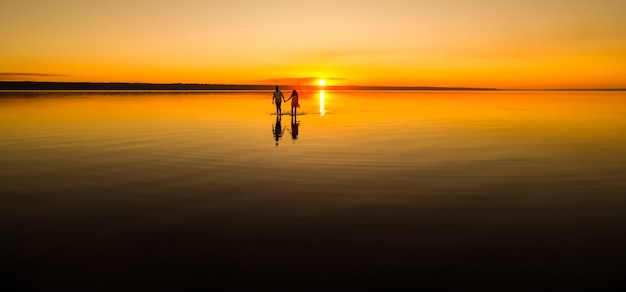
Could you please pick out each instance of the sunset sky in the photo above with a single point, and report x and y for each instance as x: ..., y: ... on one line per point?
x: 479, y: 43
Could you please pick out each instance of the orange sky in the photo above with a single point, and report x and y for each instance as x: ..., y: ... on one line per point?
x: 480, y: 43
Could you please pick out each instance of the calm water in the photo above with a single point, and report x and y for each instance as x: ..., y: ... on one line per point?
x: 364, y: 190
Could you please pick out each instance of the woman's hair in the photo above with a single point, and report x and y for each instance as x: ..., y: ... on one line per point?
x: 294, y: 92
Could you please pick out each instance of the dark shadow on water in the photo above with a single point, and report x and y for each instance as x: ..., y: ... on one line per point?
x: 289, y: 114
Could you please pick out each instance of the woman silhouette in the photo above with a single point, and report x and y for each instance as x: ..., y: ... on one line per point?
x: 294, y: 102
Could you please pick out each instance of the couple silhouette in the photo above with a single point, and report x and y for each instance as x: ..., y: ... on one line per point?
x: 278, y: 98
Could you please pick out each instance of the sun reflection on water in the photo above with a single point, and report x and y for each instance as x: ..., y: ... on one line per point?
x: 322, y: 109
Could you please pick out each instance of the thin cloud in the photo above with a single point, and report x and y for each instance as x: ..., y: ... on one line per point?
x: 23, y: 75
x: 302, y: 80
x: 338, y: 54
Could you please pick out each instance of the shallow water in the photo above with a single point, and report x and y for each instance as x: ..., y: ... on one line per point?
x: 367, y: 190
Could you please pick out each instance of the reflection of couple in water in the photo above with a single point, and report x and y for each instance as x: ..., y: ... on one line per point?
x: 278, y: 130
x: 278, y: 98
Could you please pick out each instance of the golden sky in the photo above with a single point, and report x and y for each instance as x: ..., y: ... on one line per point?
x: 479, y: 43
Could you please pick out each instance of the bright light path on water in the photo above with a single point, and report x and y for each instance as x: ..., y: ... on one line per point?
x: 322, y: 109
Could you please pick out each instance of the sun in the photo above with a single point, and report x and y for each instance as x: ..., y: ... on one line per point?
x: 322, y: 82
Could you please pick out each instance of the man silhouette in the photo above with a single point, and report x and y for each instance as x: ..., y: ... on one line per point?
x: 277, y: 99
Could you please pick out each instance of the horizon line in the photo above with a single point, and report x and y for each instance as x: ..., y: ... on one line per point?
x: 80, y: 85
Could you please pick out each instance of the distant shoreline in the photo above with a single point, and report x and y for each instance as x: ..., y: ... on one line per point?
x: 102, y: 86
x: 32, y: 85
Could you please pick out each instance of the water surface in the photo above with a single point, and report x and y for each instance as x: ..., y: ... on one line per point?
x: 368, y: 190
